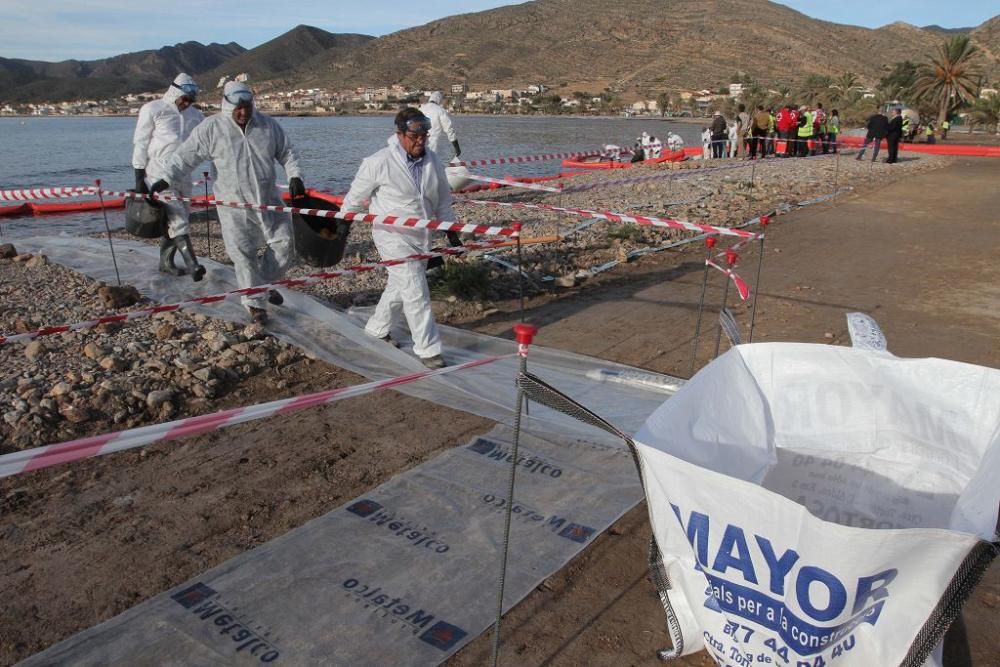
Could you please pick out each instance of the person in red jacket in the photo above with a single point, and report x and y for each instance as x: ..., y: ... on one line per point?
x: 793, y: 131
x: 781, y: 124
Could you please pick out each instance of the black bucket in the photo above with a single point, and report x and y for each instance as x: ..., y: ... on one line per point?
x: 145, y: 219
x: 319, y: 241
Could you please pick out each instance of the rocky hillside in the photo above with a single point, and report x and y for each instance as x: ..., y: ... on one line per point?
x: 637, y: 46
x: 32, y: 80
x: 288, y: 58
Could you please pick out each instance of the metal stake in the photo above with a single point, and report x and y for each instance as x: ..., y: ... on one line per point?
x: 709, y: 244
x: 836, y: 172
x: 731, y: 262
x: 107, y: 227
x: 524, y: 333
x: 208, y: 219
x: 520, y: 268
x: 764, y: 221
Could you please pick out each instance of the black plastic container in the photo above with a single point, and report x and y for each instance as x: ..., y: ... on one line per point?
x: 319, y: 241
x: 145, y: 219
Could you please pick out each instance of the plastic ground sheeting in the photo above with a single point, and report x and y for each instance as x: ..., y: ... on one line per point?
x: 338, y: 337
x: 406, y: 573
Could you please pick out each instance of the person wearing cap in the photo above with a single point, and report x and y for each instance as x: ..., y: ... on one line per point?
x: 244, y: 144
x: 162, y: 126
x: 404, y: 179
x: 442, y: 129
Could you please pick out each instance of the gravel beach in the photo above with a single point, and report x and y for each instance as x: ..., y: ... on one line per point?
x: 177, y: 364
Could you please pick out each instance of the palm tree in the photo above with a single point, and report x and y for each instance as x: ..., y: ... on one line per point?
x: 986, y: 112
x: 846, y: 87
x: 815, y: 88
x: 950, y: 78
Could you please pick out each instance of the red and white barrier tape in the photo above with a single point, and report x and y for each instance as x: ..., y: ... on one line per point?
x: 46, y: 193
x: 513, y: 184
x: 413, y: 223
x: 619, y: 217
x: 741, y: 244
x: 246, y: 291
x: 741, y: 285
x: 524, y: 158
x: 98, y: 445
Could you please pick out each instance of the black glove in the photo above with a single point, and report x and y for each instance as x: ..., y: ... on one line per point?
x: 296, y: 188
x: 458, y: 149
x: 158, y: 187
x: 140, y: 181
x: 453, y: 239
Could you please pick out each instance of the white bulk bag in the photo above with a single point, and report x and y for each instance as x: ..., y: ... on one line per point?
x: 818, y: 505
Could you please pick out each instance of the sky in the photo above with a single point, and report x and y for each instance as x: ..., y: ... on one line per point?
x: 54, y: 30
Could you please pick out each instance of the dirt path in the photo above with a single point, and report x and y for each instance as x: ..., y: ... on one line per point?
x: 82, y: 543
x: 918, y: 256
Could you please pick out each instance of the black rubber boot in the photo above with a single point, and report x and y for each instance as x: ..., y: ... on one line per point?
x: 167, y: 252
x: 183, y: 244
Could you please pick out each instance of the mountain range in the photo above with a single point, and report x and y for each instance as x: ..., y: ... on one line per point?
x: 636, y: 48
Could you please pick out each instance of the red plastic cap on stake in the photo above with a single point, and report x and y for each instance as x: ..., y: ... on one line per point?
x: 98, y: 182
x: 765, y: 220
x: 731, y: 257
x: 710, y: 241
x: 516, y: 226
x: 524, y: 333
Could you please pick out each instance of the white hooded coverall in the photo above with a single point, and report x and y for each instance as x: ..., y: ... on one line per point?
x: 442, y: 131
x: 386, y: 179
x: 160, y: 131
x: 245, y: 166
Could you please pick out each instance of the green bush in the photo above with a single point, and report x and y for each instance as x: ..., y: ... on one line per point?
x: 464, y: 280
x: 626, y: 232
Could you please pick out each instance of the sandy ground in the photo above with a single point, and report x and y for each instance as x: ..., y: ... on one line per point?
x: 82, y: 543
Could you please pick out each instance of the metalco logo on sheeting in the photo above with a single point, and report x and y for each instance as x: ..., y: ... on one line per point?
x: 421, y: 623
x: 532, y: 464
x: 404, y: 529
x: 559, y: 525
x: 203, y: 601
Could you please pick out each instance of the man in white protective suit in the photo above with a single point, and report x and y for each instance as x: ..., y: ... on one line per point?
x: 674, y: 142
x: 442, y: 129
x: 244, y: 144
x: 404, y: 179
x: 163, y: 125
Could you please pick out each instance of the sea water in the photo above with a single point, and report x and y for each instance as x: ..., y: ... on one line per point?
x: 40, y: 152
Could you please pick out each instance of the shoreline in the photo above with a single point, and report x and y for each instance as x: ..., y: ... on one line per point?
x: 959, y: 135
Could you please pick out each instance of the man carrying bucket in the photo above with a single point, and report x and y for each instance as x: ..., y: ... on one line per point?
x: 244, y: 144
x: 162, y: 126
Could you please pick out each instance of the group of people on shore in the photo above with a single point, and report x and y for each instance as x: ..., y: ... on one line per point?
x: 406, y: 178
x: 787, y: 132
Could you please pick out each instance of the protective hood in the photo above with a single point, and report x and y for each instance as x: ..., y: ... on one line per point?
x: 232, y: 87
x: 173, y: 92
x: 435, y: 97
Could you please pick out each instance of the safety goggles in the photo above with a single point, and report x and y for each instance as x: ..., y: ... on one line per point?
x: 189, y: 89
x: 416, y: 127
x: 240, y: 98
